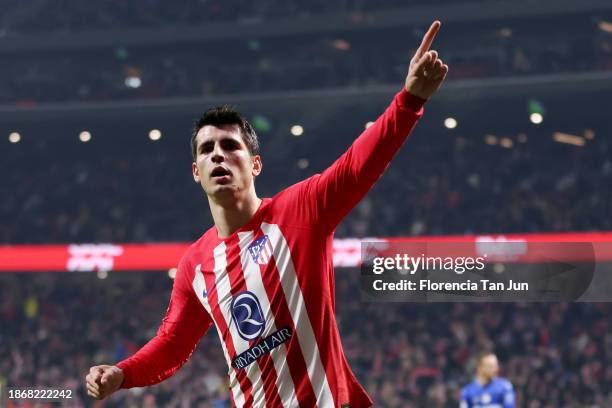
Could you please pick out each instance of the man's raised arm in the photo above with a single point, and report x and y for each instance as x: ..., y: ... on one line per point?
x: 181, y: 329
x: 340, y: 187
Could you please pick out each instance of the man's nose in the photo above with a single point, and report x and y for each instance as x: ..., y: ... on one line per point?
x: 217, y: 154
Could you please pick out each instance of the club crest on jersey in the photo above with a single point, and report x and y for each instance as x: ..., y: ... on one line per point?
x: 247, y: 315
x: 261, y: 250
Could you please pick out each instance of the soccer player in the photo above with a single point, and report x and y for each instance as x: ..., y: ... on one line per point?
x: 263, y: 274
x: 487, y: 390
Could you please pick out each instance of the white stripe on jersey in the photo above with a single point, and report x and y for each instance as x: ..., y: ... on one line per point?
x: 254, y: 283
x: 199, y: 285
x: 224, y: 296
x: 297, y: 308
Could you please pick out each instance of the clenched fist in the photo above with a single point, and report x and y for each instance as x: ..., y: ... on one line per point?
x: 426, y: 72
x: 103, y: 380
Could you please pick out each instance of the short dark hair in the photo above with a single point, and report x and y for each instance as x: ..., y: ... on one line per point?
x: 226, y: 115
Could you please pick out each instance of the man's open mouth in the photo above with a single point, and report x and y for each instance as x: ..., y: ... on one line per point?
x: 220, y: 172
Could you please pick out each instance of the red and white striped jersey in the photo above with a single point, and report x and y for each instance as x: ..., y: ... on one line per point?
x: 269, y: 287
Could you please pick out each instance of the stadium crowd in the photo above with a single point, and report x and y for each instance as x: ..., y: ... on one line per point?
x: 556, y: 355
x: 60, y: 190
x: 49, y: 16
x: 291, y: 63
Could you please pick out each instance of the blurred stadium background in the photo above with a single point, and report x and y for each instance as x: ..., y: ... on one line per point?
x: 97, y: 100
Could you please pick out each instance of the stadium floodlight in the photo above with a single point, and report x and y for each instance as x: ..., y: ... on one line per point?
x: 341, y: 45
x: 84, y: 136
x: 155, y: 134
x: 506, y: 142
x: 303, y: 163
x: 605, y: 26
x: 567, y: 138
x: 14, y: 137
x: 490, y: 139
x: 450, y: 123
x: 133, y: 82
x: 536, y: 118
x: 297, y: 130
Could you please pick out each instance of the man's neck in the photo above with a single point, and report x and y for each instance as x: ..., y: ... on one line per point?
x: 230, y: 217
x: 483, y: 380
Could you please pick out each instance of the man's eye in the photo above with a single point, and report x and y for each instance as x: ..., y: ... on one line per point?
x: 231, y: 146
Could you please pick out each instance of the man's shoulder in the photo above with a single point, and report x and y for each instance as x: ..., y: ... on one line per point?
x: 503, y: 383
x: 471, y: 387
x: 296, y: 204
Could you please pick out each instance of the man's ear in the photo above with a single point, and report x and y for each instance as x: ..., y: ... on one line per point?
x: 257, y: 165
x: 196, y: 173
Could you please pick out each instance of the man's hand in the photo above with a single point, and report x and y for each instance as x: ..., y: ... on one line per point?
x: 426, y: 72
x: 103, y: 380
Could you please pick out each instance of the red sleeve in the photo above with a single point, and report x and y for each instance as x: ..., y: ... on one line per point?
x: 339, y: 188
x: 185, y: 323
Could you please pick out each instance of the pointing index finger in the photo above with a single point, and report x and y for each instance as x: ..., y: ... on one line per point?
x: 428, y: 38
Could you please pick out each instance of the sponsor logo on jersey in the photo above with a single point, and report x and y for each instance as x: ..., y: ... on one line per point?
x: 262, y: 348
x: 261, y: 250
x: 247, y: 315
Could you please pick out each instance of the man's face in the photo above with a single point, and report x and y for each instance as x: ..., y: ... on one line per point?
x: 488, y: 367
x: 223, y: 166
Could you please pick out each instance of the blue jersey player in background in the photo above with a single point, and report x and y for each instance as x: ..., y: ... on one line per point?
x: 487, y: 390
